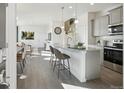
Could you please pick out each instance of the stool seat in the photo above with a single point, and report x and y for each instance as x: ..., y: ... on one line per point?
x: 65, y: 56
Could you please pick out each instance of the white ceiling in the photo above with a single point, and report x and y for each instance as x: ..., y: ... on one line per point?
x: 45, y: 13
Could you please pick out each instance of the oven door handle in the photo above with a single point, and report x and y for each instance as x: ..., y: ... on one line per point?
x: 113, y: 48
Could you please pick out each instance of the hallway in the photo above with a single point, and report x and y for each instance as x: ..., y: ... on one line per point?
x: 41, y: 76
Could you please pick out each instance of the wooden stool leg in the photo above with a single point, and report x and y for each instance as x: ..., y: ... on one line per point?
x: 54, y: 65
x: 53, y: 60
x: 59, y: 68
x: 63, y: 64
x: 21, y: 67
x: 25, y: 60
x: 23, y: 64
x: 50, y: 59
x: 58, y: 73
x: 68, y: 66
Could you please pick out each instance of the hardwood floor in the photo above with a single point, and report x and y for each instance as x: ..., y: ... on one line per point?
x: 115, y: 79
x: 41, y: 76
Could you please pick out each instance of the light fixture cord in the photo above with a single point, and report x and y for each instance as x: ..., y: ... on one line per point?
x: 62, y: 16
x: 76, y: 10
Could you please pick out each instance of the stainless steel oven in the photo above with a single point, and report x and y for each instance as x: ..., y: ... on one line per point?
x: 113, y: 57
x: 115, y: 30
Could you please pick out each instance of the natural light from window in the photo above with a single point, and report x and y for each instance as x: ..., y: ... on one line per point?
x: 45, y: 53
x: 68, y: 86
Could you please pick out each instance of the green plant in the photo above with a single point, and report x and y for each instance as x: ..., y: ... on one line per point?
x: 80, y: 44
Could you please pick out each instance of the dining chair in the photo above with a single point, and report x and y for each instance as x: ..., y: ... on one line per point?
x: 21, y: 59
x: 28, y: 50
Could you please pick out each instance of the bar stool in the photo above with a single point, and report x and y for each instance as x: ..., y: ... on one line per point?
x: 52, y: 55
x: 61, y: 61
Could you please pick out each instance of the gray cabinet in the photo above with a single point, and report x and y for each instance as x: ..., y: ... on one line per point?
x: 2, y: 25
x: 104, y: 25
x: 116, y: 16
x: 97, y: 27
x: 101, y: 26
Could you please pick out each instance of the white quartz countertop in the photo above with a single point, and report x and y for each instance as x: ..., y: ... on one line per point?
x: 89, y: 48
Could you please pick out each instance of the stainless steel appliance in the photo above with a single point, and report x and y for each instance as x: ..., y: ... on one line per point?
x: 113, y: 55
x: 115, y: 29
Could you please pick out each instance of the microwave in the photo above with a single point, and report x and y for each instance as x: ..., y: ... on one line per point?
x: 115, y: 30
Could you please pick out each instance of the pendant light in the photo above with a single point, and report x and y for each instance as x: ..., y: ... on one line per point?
x: 62, y: 20
x: 76, y: 19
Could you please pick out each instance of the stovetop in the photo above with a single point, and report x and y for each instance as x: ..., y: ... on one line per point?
x: 114, y: 47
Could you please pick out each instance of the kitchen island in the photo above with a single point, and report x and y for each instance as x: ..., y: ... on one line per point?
x: 84, y: 64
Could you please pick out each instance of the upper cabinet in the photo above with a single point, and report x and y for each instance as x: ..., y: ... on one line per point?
x: 104, y: 25
x: 97, y: 27
x: 116, y: 16
x: 101, y: 26
x: 2, y: 25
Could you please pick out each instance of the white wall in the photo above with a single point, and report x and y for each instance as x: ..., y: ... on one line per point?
x: 40, y: 34
x: 58, y: 39
x: 81, y: 32
x: 82, y: 28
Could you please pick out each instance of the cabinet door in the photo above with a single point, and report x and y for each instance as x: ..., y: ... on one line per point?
x: 115, y: 16
x: 97, y: 27
x: 104, y: 25
x: 2, y: 25
x: 121, y: 14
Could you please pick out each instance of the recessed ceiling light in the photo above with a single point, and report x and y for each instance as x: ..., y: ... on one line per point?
x: 91, y: 3
x: 70, y: 7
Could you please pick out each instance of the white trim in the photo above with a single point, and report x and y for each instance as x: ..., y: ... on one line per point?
x: 11, y: 44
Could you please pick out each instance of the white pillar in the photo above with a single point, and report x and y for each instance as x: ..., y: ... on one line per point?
x: 11, y: 44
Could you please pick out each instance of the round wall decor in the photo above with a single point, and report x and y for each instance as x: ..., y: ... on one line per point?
x: 58, y: 30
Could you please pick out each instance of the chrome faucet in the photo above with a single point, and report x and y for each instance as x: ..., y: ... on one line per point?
x: 69, y: 38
